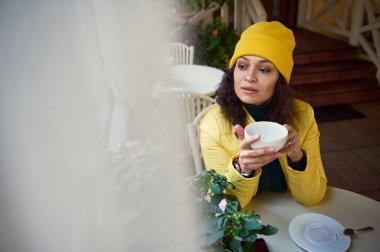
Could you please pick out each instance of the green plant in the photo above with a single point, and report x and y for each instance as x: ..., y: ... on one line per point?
x: 180, y: 2
x: 224, y: 226
x: 198, y: 4
x: 220, y: 2
x: 216, y: 44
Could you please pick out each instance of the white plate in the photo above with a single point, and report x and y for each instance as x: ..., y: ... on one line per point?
x: 318, y: 233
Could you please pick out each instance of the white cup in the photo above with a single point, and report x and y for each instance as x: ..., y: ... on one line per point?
x: 271, y: 134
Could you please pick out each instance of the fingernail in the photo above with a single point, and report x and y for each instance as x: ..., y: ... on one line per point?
x: 255, y: 137
x: 270, y: 149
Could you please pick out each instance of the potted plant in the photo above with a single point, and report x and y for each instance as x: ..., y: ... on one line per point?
x: 216, y: 44
x: 224, y: 225
x: 207, y: 3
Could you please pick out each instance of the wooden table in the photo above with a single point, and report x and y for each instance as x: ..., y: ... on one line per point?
x: 348, y: 208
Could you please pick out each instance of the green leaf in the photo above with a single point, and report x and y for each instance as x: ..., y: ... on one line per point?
x: 252, y: 224
x: 249, y: 246
x: 231, y: 197
x: 214, y: 209
x: 215, y: 236
x: 236, y: 245
x: 213, y: 44
x: 215, y: 188
x: 232, y: 206
x: 217, y: 198
x: 269, y: 230
x: 223, y: 221
x: 244, y: 232
x: 250, y: 238
x: 218, y: 248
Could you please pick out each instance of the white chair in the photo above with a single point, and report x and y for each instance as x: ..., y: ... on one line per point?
x: 190, y: 105
x: 180, y: 54
x: 193, y: 133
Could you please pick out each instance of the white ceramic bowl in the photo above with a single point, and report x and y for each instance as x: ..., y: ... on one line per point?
x: 271, y: 134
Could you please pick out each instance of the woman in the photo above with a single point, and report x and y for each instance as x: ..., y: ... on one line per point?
x: 255, y: 88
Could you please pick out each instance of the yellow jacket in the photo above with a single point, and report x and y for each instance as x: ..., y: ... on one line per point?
x: 220, y: 146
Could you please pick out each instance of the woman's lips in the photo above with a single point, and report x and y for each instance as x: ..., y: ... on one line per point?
x: 249, y: 90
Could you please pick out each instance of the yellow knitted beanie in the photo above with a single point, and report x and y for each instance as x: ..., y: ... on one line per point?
x: 270, y: 40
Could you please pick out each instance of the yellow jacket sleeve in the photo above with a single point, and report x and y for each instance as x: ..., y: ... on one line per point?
x: 220, y: 146
x: 309, y: 186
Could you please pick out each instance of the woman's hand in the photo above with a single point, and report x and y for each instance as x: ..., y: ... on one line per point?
x: 292, y: 146
x: 252, y: 159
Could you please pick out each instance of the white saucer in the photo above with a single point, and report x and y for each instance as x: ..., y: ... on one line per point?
x: 318, y: 233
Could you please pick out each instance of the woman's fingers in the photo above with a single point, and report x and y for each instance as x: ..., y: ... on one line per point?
x: 259, y: 152
x: 255, y: 158
x: 255, y: 163
x: 246, y: 143
x: 239, y: 131
x: 252, y: 159
x: 292, y: 147
x: 291, y: 131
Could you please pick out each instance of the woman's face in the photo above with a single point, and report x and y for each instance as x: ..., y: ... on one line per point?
x: 255, y: 79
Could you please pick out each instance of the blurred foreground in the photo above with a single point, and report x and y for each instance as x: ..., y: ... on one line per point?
x: 86, y: 161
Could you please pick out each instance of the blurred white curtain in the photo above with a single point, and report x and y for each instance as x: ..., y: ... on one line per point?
x: 75, y: 81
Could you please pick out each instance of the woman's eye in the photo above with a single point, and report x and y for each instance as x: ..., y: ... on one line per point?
x: 242, y: 66
x: 264, y: 70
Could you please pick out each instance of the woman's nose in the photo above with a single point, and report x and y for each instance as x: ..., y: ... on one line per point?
x: 250, y: 77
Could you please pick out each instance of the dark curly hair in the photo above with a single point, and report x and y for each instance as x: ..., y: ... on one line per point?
x: 280, y: 107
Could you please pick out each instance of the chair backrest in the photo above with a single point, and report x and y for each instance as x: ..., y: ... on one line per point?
x: 194, y: 134
x: 190, y: 104
x: 180, y: 54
